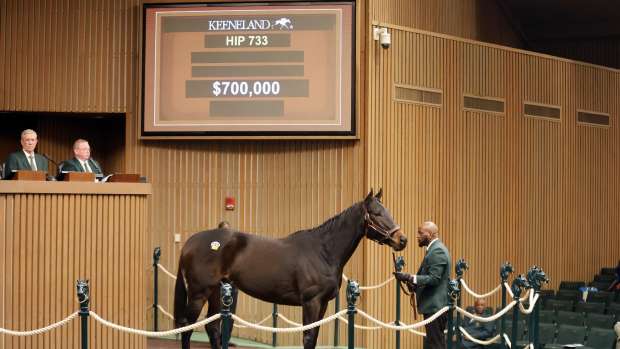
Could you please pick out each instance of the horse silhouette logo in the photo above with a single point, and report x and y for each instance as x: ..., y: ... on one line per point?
x: 284, y: 23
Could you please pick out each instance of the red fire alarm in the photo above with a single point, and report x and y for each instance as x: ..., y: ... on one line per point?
x: 230, y: 203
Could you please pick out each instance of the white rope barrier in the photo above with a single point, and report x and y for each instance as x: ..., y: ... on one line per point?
x: 507, y: 340
x: 479, y: 341
x: 401, y: 328
x: 165, y: 312
x: 40, y: 330
x: 161, y: 267
x: 258, y: 323
x: 362, y: 288
x: 530, y: 308
x: 487, y: 319
x: 373, y: 287
x: 154, y: 333
x: 527, y: 293
x: 289, y: 329
x: 288, y: 321
x: 360, y: 327
x: 490, y: 293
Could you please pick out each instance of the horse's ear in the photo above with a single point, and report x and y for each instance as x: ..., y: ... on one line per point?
x: 379, y: 194
x: 369, y: 196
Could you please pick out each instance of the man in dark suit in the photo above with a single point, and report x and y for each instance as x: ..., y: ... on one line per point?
x: 81, y: 162
x: 25, y: 159
x: 477, y: 329
x: 430, y: 283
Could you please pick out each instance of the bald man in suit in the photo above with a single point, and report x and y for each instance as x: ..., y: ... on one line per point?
x: 430, y: 283
x: 81, y: 162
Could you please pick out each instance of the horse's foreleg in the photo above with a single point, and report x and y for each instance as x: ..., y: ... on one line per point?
x: 313, y: 311
x: 213, y: 328
x: 193, y: 311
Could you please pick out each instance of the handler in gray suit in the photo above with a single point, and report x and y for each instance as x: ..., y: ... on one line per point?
x: 430, y: 283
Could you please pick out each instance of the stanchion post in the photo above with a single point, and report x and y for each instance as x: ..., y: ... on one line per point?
x: 459, y: 268
x: 453, y: 294
x: 274, y: 323
x: 353, y: 291
x: 399, y: 264
x: 504, y: 271
x: 337, y: 322
x: 84, y: 299
x: 227, y: 301
x: 535, y: 277
x: 156, y: 256
x: 518, y: 284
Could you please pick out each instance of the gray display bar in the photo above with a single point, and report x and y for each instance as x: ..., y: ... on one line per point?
x: 246, y: 108
x: 297, y: 22
x: 249, y: 57
x: 247, y: 40
x: 247, y: 70
x: 205, y: 89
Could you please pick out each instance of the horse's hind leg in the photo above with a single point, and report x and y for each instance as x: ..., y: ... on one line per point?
x: 193, y: 311
x: 213, y: 328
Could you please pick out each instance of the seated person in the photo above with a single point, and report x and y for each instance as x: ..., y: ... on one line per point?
x: 477, y: 329
x: 25, y: 159
x: 81, y: 162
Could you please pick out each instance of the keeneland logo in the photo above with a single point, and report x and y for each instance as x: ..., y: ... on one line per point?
x: 284, y: 23
x: 250, y: 24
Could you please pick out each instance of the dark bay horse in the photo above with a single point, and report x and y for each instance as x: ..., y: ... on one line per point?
x: 302, y: 269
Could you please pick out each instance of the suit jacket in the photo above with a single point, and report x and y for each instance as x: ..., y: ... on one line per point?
x: 74, y: 165
x: 432, y: 279
x: 18, y: 161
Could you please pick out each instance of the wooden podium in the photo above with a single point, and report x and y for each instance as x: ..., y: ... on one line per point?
x: 79, y: 177
x: 29, y: 176
x: 125, y: 178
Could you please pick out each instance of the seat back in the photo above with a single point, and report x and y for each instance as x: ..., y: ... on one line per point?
x: 600, y: 320
x: 571, y: 295
x: 568, y: 334
x: 599, y: 338
x: 600, y: 297
x: 570, y: 318
x: 520, y: 330
x: 600, y: 285
x: 559, y: 304
x: 608, y: 271
x: 614, y: 309
x: 546, y: 333
x: 598, y: 308
x: 604, y: 278
x: 547, y: 317
x: 571, y: 285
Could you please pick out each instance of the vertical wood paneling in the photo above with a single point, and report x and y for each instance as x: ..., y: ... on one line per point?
x: 48, y: 241
x: 500, y: 187
x: 67, y: 55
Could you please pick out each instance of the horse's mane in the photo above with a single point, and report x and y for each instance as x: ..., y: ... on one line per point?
x: 328, y: 224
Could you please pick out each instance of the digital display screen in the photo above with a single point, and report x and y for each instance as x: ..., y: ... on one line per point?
x: 248, y: 70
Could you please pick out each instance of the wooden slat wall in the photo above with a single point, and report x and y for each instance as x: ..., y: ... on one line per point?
x: 481, y: 20
x: 500, y: 187
x: 503, y: 180
x: 67, y: 55
x: 49, y: 241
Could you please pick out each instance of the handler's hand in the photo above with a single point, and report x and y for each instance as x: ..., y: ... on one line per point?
x: 403, y: 277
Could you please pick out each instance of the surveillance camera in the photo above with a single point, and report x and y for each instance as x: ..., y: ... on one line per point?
x: 385, y: 39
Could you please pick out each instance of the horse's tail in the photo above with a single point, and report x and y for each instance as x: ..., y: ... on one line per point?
x: 180, y: 300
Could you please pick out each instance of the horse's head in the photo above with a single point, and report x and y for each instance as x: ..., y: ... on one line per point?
x: 380, y: 225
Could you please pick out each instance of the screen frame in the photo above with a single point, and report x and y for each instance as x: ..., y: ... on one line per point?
x: 248, y: 134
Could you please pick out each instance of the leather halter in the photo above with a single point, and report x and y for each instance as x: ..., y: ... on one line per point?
x: 386, y: 235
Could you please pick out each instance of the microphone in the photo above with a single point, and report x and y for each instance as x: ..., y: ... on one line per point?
x: 53, y: 162
x: 50, y: 159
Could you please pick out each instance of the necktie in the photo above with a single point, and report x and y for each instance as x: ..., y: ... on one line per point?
x: 33, y: 165
x: 87, y: 167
